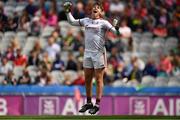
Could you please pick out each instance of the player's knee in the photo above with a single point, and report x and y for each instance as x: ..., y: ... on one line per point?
x: 88, y: 81
x: 99, y: 81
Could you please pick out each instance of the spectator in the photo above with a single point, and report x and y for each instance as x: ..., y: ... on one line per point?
x: 9, y: 53
x: 163, y: 18
x: 42, y: 13
x: 37, y: 47
x: 117, y: 62
x: 45, y: 62
x: 176, y: 64
x: 24, y: 21
x: 150, y: 22
x: 136, y: 73
x: 116, y: 7
x: 79, y: 41
x: 160, y: 31
x: 61, y: 14
x: 70, y: 77
x: 31, y: 8
x: 58, y: 38
x: 20, y: 60
x: 129, y: 10
x: 5, y: 66
x: 137, y: 23
x: 52, y: 18
x: 53, y: 48
x: 47, y: 12
x: 135, y: 62
x: 68, y: 40
x: 33, y: 58
x: 124, y: 29
x: 79, y: 12
x: 25, y: 78
x: 109, y: 74
x: 35, y: 27
x: 173, y: 27
x: 106, y: 5
x: 43, y: 78
x: 79, y: 58
x: 43, y: 19
x: 165, y: 65
x: 71, y: 63
x: 3, y: 18
x: 126, y: 35
x: 80, y: 80
x: 15, y: 44
x: 58, y: 64
x: 141, y: 63
x: 9, y: 79
x: 109, y: 44
x: 142, y: 10
x: 150, y: 68
x: 11, y: 24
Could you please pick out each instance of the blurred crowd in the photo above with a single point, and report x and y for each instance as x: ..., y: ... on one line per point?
x: 39, y: 47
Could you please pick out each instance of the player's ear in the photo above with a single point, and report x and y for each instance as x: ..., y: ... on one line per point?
x: 102, y: 10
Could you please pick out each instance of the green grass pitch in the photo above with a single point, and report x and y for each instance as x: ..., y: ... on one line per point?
x: 89, y: 117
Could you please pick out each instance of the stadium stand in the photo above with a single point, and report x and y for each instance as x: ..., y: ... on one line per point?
x: 32, y: 31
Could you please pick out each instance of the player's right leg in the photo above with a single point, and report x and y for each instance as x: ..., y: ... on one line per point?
x: 89, y: 73
x: 99, y: 73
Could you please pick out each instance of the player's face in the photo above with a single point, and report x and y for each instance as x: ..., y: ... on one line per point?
x: 96, y: 12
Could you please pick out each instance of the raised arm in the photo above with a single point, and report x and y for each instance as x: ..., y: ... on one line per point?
x: 70, y: 18
x: 113, y: 28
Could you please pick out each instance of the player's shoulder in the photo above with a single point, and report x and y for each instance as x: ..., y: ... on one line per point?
x: 85, y: 19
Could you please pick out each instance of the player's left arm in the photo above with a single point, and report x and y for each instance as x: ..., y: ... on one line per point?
x: 113, y: 28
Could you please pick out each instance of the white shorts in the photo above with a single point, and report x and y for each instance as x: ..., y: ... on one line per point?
x: 94, y: 60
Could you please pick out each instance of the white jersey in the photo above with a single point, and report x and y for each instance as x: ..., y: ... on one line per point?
x: 95, y: 54
x: 95, y: 33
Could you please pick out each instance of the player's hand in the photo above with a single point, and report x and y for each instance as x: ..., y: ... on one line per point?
x: 116, y: 24
x: 67, y: 6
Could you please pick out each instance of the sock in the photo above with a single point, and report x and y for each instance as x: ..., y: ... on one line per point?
x: 97, y: 102
x: 88, y: 99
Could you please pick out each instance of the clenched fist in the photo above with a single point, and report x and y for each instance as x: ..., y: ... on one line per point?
x: 67, y: 6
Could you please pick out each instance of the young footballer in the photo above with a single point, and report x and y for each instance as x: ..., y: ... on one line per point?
x: 95, y: 53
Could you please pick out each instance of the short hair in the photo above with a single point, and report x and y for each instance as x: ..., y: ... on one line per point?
x: 99, y: 4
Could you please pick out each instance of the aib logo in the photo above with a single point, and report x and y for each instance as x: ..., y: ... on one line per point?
x: 48, y: 106
x: 139, y: 106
